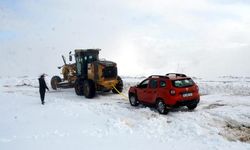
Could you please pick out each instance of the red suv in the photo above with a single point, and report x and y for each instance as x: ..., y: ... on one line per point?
x: 165, y: 92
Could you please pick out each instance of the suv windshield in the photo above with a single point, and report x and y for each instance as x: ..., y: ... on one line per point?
x: 183, y: 83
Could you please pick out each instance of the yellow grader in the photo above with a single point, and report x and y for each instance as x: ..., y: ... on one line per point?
x: 89, y: 74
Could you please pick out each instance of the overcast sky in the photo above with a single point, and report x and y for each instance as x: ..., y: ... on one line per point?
x: 197, y: 37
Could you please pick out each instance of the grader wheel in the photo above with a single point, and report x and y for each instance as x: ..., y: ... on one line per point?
x: 118, y: 86
x: 54, y: 82
x: 79, y: 87
x: 89, y: 88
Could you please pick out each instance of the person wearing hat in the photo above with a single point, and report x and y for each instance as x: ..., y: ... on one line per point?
x: 42, y: 87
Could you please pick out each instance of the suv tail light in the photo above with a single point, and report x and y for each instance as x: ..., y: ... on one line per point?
x: 197, y: 88
x: 172, y: 92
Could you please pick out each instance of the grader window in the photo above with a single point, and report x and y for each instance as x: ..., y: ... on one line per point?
x: 79, y: 65
x: 109, y: 72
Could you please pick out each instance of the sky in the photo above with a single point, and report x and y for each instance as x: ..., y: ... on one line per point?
x: 197, y: 37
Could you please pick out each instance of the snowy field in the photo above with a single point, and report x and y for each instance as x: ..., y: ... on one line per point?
x: 68, y: 121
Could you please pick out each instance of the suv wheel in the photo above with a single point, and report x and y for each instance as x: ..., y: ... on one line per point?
x: 192, y: 107
x: 161, y: 107
x: 133, y: 100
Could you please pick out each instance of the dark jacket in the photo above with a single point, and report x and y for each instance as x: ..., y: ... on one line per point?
x: 42, y: 85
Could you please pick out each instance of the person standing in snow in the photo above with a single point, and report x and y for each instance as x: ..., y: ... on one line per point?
x: 42, y: 87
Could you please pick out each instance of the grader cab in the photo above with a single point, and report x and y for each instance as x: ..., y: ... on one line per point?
x: 90, y: 74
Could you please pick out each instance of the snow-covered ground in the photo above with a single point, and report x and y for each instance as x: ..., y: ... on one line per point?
x: 68, y: 121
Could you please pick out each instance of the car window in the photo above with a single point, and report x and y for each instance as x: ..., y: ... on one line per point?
x: 144, y: 84
x: 153, y: 84
x: 183, y: 83
x: 163, y: 84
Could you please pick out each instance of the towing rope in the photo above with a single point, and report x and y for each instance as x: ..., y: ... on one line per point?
x: 123, y: 95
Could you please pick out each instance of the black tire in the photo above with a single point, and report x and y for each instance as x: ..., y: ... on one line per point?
x: 133, y: 100
x: 192, y: 107
x: 89, y: 88
x: 79, y: 87
x: 161, y: 107
x: 54, y: 81
x: 118, y: 86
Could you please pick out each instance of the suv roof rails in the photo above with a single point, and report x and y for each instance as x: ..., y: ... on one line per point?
x: 158, y: 76
x: 176, y: 74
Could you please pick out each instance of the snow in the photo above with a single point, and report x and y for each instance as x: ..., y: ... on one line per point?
x: 68, y: 121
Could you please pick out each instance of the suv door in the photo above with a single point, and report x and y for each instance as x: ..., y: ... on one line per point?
x: 141, y: 90
x: 151, y: 91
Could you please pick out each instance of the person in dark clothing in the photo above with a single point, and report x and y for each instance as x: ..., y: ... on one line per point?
x: 42, y: 87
